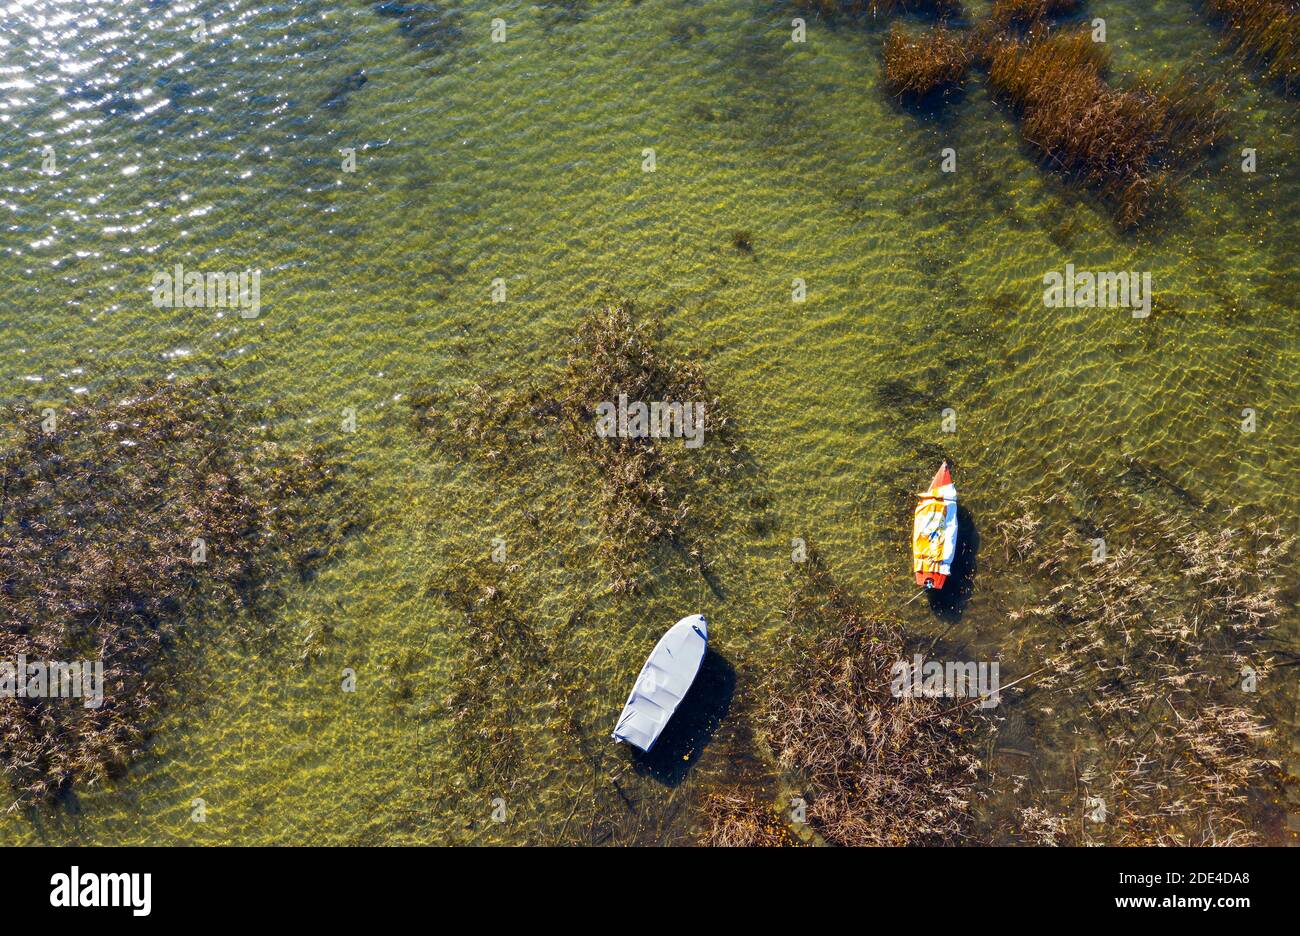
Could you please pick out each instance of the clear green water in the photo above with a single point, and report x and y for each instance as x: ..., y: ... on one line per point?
x: 522, y: 161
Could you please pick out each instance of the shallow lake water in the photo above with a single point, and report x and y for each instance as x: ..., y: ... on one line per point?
x: 222, y: 146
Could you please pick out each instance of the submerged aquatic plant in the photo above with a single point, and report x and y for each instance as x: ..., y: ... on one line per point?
x: 1125, y: 143
x: 503, y: 673
x: 1266, y: 32
x: 1030, y: 12
x: 1150, y: 648
x: 1122, y: 142
x: 649, y: 487
x: 517, y: 702
x: 124, y: 517
x: 917, y: 65
x: 875, y: 769
x: 652, y: 490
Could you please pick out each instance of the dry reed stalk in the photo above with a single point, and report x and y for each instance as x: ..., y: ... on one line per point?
x: 736, y: 818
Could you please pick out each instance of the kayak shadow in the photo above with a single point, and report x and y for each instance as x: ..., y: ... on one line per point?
x: 692, y: 725
x: 949, y: 603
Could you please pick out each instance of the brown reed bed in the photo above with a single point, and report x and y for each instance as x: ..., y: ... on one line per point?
x: 1265, y: 32
x: 98, y: 520
x: 874, y: 769
x: 1129, y: 144
x: 917, y: 65
x: 736, y: 817
x: 1145, y: 684
x: 1124, y: 143
x: 651, y: 491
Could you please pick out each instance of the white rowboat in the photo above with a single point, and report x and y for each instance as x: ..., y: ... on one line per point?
x: 664, y: 682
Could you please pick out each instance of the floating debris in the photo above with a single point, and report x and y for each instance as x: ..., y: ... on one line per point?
x: 743, y: 241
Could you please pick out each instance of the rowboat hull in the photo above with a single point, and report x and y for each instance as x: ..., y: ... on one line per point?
x: 663, y: 683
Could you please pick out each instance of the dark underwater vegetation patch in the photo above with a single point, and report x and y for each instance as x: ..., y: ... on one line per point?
x: 650, y: 491
x: 897, y: 396
x: 112, y: 99
x: 1128, y: 143
x: 873, y: 9
x: 101, y: 516
x: 427, y: 26
x: 1265, y: 33
x: 337, y: 99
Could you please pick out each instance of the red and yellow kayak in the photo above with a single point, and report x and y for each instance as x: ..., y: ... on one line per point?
x: 934, y: 531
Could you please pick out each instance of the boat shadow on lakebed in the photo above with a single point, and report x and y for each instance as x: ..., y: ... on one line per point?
x: 949, y: 603
x: 693, y: 724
